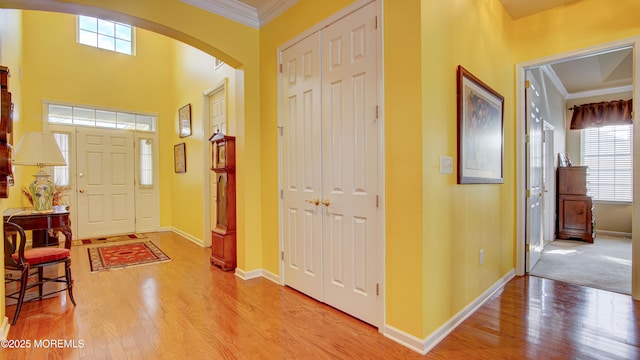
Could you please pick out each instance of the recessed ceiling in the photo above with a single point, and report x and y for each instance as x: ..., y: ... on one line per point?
x: 609, y: 70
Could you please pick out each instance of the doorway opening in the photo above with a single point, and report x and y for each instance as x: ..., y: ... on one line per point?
x: 603, y: 73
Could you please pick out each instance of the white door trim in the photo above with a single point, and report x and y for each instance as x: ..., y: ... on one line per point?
x: 381, y: 143
x: 520, y: 152
x: 71, y: 129
x: 223, y: 85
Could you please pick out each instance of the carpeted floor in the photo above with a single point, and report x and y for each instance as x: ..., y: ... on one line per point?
x: 605, y: 264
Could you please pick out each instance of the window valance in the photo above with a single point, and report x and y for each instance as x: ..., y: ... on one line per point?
x: 602, y: 114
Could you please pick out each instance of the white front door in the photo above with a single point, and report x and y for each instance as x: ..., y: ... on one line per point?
x: 534, y: 238
x: 105, y: 182
x: 350, y: 165
x: 330, y: 166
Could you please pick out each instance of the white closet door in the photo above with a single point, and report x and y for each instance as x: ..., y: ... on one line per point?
x: 330, y: 166
x: 350, y: 164
x: 301, y: 162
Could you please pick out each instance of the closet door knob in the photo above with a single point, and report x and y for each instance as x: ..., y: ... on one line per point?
x: 326, y: 202
x: 315, y: 201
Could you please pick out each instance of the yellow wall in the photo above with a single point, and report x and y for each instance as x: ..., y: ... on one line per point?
x: 459, y: 220
x: 577, y: 25
x: 193, y: 73
x: 404, y: 171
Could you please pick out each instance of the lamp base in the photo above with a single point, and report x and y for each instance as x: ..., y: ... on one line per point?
x: 42, y: 190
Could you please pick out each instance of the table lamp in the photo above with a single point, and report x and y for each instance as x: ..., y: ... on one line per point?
x: 40, y: 149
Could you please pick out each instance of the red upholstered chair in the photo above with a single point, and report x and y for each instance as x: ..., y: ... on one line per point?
x: 30, y: 263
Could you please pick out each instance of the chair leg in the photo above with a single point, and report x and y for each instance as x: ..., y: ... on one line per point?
x: 67, y: 270
x: 23, y: 288
x: 40, y: 282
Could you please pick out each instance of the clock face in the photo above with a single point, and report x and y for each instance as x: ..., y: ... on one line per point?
x: 221, y: 155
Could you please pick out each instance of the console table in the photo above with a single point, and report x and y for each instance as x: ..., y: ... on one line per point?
x: 40, y: 224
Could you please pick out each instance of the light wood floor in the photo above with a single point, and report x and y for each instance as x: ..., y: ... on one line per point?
x: 186, y: 309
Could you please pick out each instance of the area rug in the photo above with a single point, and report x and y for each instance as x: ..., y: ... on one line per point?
x: 108, y: 239
x: 605, y: 264
x: 125, y: 255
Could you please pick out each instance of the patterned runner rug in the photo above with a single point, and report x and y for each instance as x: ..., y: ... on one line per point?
x: 126, y: 255
x: 108, y: 239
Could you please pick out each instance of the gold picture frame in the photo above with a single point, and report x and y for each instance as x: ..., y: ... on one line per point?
x: 184, y: 121
x: 480, y: 131
x: 180, y: 158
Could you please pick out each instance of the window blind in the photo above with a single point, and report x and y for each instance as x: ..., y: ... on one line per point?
x: 608, y: 152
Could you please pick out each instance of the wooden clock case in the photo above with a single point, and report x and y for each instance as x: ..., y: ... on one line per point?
x: 223, y: 236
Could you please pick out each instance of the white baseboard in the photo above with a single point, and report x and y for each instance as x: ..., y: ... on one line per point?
x: 248, y: 275
x: 4, y: 330
x: 189, y: 237
x: 412, y: 342
x: 424, y: 346
x: 613, y: 233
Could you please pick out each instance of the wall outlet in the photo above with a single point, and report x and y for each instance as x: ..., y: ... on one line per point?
x: 481, y: 256
x: 446, y: 165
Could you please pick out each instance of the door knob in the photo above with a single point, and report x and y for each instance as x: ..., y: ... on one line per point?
x: 315, y: 201
x: 81, y: 191
x: 326, y: 202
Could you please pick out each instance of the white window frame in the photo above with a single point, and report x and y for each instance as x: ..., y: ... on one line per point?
x: 100, y: 39
x: 91, y: 116
x: 613, y: 167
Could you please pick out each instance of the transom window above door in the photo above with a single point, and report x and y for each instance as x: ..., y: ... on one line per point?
x: 102, y: 118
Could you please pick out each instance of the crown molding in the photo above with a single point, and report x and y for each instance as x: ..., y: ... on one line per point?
x: 555, y: 80
x: 238, y: 11
x: 600, y: 92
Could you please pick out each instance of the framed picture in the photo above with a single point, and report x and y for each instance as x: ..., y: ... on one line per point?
x: 184, y: 120
x: 180, y: 158
x: 480, y: 131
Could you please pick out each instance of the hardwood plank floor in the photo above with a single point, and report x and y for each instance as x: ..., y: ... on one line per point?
x: 186, y: 309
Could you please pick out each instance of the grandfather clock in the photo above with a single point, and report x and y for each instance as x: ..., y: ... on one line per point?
x: 223, y: 236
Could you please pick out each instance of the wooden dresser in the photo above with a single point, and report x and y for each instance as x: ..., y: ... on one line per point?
x: 575, y: 208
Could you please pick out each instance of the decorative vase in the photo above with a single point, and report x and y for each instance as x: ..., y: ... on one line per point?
x: 41, y: 192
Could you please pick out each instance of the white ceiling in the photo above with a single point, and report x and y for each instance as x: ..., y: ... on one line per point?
x: 609, y: 71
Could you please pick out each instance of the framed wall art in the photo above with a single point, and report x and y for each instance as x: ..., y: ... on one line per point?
x: 480, y: 131
x: 184, y: 121
x: 180, y: 158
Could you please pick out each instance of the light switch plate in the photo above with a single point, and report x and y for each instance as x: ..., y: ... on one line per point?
x: 446, y: 165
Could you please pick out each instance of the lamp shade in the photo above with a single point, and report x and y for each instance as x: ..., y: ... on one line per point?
x: 40, y: 149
